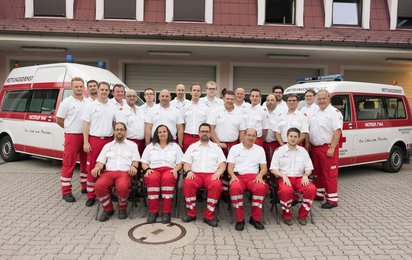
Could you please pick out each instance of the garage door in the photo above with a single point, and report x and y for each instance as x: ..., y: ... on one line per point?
x: 158, y: 77
x: 265, y: 78
x: 404, y: 79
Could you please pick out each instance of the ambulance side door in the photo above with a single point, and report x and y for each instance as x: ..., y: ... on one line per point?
x: 347, y: 148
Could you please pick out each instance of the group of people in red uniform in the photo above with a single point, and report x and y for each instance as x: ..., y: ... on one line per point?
x: 224, y: 145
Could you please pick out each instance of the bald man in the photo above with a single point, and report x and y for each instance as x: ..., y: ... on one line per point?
x: 164, y: 114
x: 180, y: 99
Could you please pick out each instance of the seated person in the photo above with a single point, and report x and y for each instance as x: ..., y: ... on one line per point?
x: 292, y: 165
x: 161, y: 162
x: 244, y: 160
x: 121, y: 157
x: 204, y: 162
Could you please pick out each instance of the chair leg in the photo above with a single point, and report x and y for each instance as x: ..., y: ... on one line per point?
x: 217, y: 213
x: 263, y: 213
x: 97, y: 210
x: 230, y: 209
x: 311, y: 217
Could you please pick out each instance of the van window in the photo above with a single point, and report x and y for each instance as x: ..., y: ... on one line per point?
x: 342, y: 103
x: 43, y: 101
x: 15, y: 101
x: 370, y: 108
x: 396, y: 107
x: 67, y: 93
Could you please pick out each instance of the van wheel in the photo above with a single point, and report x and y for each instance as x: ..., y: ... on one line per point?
x: 8, y: 153
x: 395, y: 160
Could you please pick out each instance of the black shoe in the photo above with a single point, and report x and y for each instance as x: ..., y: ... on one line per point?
x: 287, y: 221
x: 294, y: 202
x: 303, y: 221
x: 166, y: 218
x: 210, y: 222
x: 226, y: 199
x: 328, y: 205
x: 188, y: 218
x: 199, y: 198
x: 122, y: 214
x: 240, y: 225
x: 90, y: 202
x: 84, y: 191
x: 106, y: 215
x: 152, y: 218
x: 256, y: 224
x: 69, y: 197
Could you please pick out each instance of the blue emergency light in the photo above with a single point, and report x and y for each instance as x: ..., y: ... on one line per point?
x: 336, y: 77
x: 69, y: 58
x: 101, y: 64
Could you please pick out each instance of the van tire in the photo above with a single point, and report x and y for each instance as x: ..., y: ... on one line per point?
x: 8, y: 153
x: 395, y: 160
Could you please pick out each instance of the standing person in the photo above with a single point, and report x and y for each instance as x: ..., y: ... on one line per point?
x: 270, y: 144
x: 228, y: 128
x: 281, y: 105
x: 118, y: 96
x: 325, y: 130
x: 240, y: 100
x: 180, y: 99
x: 204, y: 162
x: 92, y: 89
x: 149, y: 97
x: 247, y: 167
x: 121, y: 158
x: 98, y: 117
x: 309, y: 109
x: 292, y: 165
x: 195, y: 112
x: 167, y: 115
x: 257, y: 117
x: 210, y: 99
x: 68, y: 117
x: 161, y: 161
x: 292, y: 118
x: 133, y: 117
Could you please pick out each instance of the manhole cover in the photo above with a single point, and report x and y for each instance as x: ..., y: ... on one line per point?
x: 157, y: 233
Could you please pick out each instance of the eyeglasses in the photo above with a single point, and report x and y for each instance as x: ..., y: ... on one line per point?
x: 130, y: 96
x: 119, y: 130
x: 252, y: 136
x: 204, y: 131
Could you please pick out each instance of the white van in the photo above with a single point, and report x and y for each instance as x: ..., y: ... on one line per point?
x: 29, y: 102
x: 377, y: 124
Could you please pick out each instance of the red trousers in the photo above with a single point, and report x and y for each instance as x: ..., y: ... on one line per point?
x: 270, y: 148
x: 73, y: 147
x: 161, y: 180
x: 259, y: 190
x: 189, y: 139
x: 140, y: 145
x: 326, y: 170
x: 96, y: 143
x: 259, y: 141
x: 122, y: 182
x: 214, y: 189
x: 285, y: 194
x: 225, y: 179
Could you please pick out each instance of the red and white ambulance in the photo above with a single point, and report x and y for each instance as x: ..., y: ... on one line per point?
x: 29, y: 102
x: 377, y: 123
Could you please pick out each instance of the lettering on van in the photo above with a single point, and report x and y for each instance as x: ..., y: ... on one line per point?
x: 372, y: 140
x: 302, y: 89
x: 19, y: 79
x: 392, y: 90
x: 405, y: 130
x: 342, y: 152
x: 35, y: 131
x: 38, y: 117
x: 374, y: 124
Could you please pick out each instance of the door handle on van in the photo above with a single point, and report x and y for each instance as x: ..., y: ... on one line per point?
x: 350, y: 126
x: 49, y: 118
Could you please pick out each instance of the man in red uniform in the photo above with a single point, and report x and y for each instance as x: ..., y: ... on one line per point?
x: 98, y: 118
x: 68, y: 117
x: 121, y: 158
x: 292, y: 165
x: 244, y: 161
x: 325, y: 129
x: 204, y: 162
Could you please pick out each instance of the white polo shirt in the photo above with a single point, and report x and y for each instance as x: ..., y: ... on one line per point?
x: 257, y: 117
x: 156, y: 157
x: 194, y: 115
x: 176, y: 103
x: 170, y: 117
x: 119, y: 157
x: 289, y: 120
x: 204, y: 158
x: 117, y: 104
x: 228, y: 124
x: 292, y: 163
x: 246, y: 161
x: 71, y: 110
x: 146, y: 108
x: 90, y: 99
x: 310, y: 110
x: 270, y: 137
x: 244, y: 106
x: 217, y: 102
x: 322, y: 125
x: 133, y: 121
x: 101, y: 117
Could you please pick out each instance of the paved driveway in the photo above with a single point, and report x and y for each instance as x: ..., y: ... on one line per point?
x: 373, y: 221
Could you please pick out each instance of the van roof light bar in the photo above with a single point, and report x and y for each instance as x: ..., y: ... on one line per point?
x: 336, y: 77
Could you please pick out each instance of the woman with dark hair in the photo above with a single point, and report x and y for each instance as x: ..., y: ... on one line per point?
x: 161, y: 160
